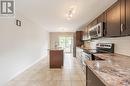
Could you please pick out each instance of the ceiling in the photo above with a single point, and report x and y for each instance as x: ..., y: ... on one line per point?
x: 50, y: 14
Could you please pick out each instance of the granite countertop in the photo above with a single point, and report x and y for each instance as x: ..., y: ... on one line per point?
x: 114, y: 70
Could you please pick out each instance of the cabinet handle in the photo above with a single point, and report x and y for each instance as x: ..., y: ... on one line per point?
x: 122, y: 27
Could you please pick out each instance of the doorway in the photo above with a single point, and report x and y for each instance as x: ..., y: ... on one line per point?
x: 66, y: 43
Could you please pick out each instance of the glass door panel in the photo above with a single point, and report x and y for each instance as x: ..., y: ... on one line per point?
x: 66, y: 44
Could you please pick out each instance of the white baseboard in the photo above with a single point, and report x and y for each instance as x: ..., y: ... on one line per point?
x: 20, y: 72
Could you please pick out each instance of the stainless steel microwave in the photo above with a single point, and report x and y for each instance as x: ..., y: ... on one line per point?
x: 96, y: 31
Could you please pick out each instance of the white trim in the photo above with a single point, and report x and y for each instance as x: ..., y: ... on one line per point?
x: 20, y: 72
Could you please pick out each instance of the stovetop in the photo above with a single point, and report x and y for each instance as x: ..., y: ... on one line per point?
x: 90, y: 51
x: 101, y: 48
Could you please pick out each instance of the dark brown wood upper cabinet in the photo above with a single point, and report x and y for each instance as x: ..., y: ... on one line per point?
x: 101, y: 18
x: 116, y: 19
x: 77, y: 41
x: 128, y: 17
x: 94, y: 22
x: 79, y: 35
x: 113, y: 20
x: 89, y: 25
x: 125, y: 17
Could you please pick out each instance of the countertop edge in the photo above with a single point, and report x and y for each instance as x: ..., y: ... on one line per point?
x: 102, y: 80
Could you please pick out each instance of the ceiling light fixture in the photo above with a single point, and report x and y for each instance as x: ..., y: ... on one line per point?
x: 71, y: 12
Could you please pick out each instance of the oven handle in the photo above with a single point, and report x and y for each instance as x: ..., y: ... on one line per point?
x: 84, y: 63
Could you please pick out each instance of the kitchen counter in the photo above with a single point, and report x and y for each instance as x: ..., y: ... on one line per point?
x: 114, y: 70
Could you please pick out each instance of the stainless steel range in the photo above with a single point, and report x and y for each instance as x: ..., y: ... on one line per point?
x: 87, y: 54
x: 101, y: 48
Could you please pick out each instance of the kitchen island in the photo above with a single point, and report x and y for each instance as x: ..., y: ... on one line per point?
x: 114, y: 70
x: 56, y: 58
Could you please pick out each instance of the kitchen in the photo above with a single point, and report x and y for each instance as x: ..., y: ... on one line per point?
x: 106, y: 39
x: 65, y: 43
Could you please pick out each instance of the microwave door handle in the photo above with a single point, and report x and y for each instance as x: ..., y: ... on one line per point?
x: 98, y: 29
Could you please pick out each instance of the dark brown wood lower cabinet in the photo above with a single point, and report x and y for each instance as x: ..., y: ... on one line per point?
x: 56, y: 58
x: 92, y: 79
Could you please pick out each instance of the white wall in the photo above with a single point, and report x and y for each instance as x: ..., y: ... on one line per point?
x: 20, y: 46
x: 122, y: 44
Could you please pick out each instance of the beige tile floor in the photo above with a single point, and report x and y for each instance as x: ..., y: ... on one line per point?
x: 41, y: 75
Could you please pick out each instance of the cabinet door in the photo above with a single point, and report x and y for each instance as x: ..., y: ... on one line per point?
x: 94, y: 22
x: 85, y: 34
x: 89, y: 26
x: 79, y: 35
x: 123, y: 17
x: 56, y: 58
x: 113, y: 20
x: 101, y: 18
x: 127, y: 31
x: 92, y: 79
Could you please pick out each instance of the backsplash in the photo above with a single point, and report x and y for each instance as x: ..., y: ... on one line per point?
x: 122, y: 44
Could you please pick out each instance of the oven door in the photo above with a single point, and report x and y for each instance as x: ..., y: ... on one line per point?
x: 84, y: 67
x: 85, y: 57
